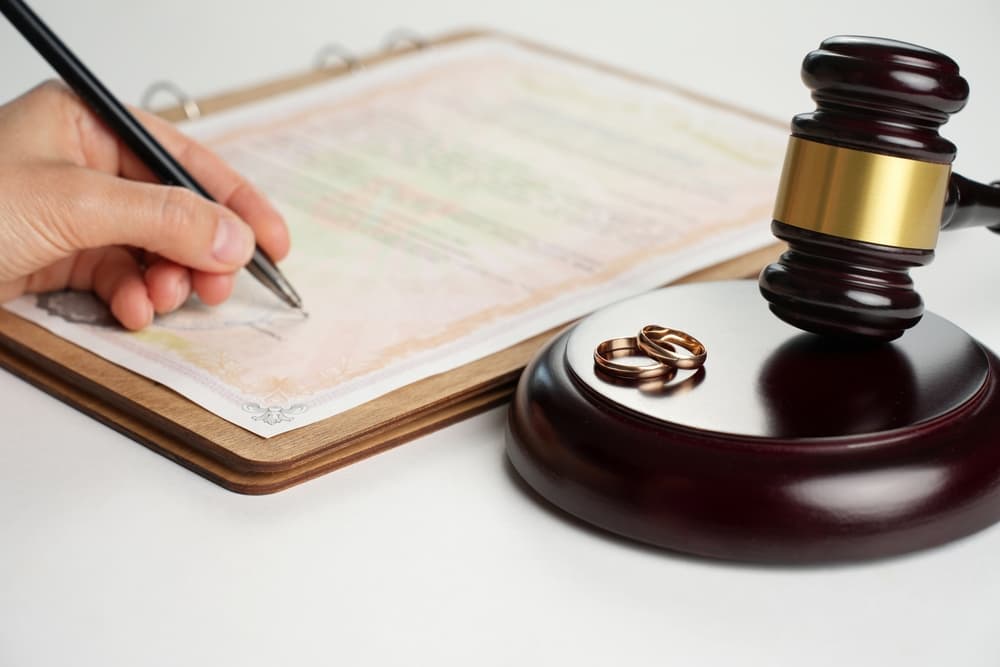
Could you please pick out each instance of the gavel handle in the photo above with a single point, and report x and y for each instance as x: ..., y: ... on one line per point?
x: 971, y: 204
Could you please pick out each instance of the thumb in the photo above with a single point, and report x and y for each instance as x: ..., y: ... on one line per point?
x: 92, y: 209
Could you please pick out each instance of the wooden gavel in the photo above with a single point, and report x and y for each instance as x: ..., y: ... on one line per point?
x: 866, y: 187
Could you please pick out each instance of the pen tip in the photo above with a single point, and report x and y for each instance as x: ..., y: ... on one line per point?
x: 269, y: 275
x: 289, y: 295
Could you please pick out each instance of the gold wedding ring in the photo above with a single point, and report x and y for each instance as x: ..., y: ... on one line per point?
x: 615, y: 348
x: 661, y: 343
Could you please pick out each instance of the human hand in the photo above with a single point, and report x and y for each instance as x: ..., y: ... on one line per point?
x: 79, y: 210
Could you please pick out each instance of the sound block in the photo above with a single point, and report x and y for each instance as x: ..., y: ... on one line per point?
x: 784, y: 448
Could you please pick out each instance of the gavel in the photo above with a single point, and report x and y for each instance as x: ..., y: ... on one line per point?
x: 866, y: 186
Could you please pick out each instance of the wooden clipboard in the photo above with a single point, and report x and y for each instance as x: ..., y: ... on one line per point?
x: 234, y: 458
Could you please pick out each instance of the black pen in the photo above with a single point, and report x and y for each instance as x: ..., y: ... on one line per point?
x: 128, y: 128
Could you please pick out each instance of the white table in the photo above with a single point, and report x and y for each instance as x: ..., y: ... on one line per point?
x: 431, y: 553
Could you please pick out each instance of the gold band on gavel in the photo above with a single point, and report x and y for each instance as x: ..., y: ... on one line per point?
x: 863, y: 196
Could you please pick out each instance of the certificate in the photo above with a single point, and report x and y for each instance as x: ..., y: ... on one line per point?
x: 443, y: 207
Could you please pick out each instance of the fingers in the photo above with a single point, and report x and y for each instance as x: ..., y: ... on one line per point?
x: 75, y: 209
x: 133, y: 295
x: 219, y: 179
x: 64, y: 213
x: 168, y: 285
x: 213, y: 288
x: 111, y: 272
x: 73, y: 134
x: 117, y: 280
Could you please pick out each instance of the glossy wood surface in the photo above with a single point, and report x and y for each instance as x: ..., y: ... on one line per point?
x: 887, y: 97
x: 846, y: 453
x: 881, y: 95
x: 843, y: 288
x: 971, y: 204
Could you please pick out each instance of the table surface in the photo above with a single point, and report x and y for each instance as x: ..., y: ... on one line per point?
x: 433, y: 553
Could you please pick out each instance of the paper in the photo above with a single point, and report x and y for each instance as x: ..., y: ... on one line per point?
x: 443, y: 207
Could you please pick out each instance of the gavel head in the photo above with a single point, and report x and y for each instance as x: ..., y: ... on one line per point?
x: 863, y: 187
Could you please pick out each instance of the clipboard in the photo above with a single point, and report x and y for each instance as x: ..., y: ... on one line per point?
x: 230, y: 456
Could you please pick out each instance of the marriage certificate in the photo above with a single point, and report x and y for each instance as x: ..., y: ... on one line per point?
x: 442, y: 207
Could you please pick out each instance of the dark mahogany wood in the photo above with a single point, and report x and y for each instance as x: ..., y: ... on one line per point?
x: 887, y: 97
x: 971, y: 204
x: 786, y: 448
x: 883, y: 96
x: 841, y: 287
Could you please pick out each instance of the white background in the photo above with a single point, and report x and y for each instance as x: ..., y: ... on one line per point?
x: 431, y: 553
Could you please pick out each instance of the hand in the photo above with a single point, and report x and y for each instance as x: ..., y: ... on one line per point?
x: 78, y: 210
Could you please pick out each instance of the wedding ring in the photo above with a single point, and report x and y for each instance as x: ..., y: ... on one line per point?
x: 614, y: 348
x: 661, y: 343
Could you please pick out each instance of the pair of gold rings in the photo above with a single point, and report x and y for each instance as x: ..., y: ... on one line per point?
x: 662, y: 345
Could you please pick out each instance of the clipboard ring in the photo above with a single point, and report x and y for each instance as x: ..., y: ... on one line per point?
x: 185, y: 101
x: 329, y: 54
x: 403, y: 36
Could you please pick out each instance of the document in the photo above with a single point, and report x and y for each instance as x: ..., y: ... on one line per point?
x: 442, y: 207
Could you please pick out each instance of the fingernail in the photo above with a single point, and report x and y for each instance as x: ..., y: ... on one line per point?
x: 233, y: 243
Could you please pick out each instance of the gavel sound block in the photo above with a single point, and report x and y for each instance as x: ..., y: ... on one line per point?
x: 793, y: 446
